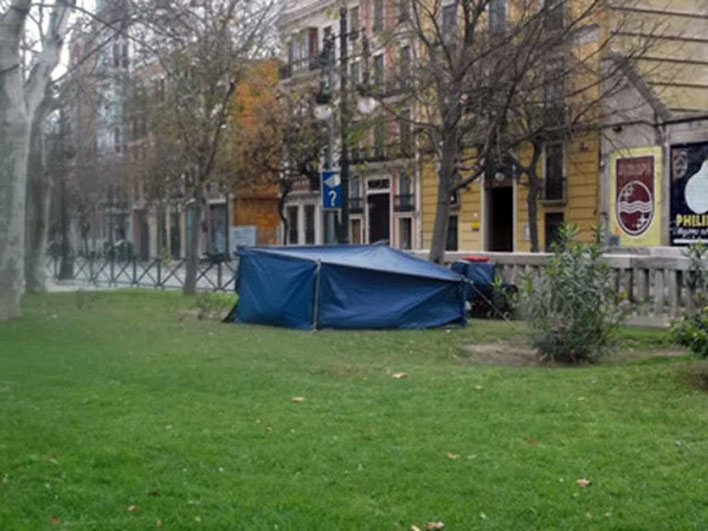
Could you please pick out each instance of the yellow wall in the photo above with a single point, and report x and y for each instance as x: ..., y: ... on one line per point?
x: 581, y: 208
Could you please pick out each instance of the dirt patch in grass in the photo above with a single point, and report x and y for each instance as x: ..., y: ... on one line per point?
x: 518, y: 352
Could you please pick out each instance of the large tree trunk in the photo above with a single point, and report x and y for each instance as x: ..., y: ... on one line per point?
x: 532, y: 207
x: 442, y: 212
x: 37, y: 210
x: 190, y: 278
x: 14, y: 147
x: 66, y: 263
x: 532, y: 198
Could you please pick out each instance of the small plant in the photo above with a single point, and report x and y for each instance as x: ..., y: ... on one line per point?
x: 572, y: 305
x: 691, y: 330
x: 212, y: 305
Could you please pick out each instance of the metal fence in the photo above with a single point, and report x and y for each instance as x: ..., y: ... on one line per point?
x: 153, y: 273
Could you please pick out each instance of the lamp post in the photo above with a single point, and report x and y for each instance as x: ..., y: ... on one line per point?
x: 344, y: 126
x: 365, y: 105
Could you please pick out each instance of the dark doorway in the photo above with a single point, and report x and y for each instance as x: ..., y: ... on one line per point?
x: 500, y: 224
x: 554, y: 221
x: 379, y: 217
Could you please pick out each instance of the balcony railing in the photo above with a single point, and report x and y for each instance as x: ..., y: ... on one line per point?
x: 288, y: 70
x: 379, y: 153
x: 404, y: 202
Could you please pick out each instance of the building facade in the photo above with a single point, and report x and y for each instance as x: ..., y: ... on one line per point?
x: 384, y: 184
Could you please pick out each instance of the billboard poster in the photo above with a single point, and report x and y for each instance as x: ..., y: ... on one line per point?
x: 689, y: 193
x: 635, y: 190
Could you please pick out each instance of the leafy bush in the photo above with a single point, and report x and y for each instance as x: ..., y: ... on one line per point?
x: 692, y: 329
x: 572, y: 305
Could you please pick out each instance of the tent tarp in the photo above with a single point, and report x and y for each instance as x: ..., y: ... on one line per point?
x: 346, y: 286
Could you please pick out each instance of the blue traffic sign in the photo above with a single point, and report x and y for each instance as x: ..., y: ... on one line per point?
x: 331, y: 190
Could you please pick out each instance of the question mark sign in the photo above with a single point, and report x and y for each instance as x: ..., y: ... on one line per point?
x: 332, y: 197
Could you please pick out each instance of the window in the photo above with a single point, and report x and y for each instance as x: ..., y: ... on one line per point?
x: 354, y: 22
x: 553, y: 181
x: 355, y: 225
x: 313, y: 46
x: 292, y: 225
x: 309, y: 224
x: 403, y: 10
x: 354, y: 73
x: 405, y: 233
x: 497, y: 16
x: 354, y: 188
x: 379, y: 136
x: 404, y: 131
x: 555, y: 13
x: 378, y: 15
x: 405, y: 67
x: 379, y: 73
x: 403, y: 201
x: 451, y: 243
x: 553, y: 222
x: 449, y: 20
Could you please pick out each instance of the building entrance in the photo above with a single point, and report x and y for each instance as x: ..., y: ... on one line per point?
x: 500, y: 219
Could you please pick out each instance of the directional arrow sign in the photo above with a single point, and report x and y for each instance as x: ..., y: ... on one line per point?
x: 331, y: 190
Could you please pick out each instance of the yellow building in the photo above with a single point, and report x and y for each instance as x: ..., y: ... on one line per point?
x: 672, y: 76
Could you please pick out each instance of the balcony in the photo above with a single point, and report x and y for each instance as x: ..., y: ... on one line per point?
x: 379, y: 153
x: 309, y: 64
x: 404, y: 203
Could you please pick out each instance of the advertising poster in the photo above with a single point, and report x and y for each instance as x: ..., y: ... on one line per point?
x: 636, y: 196
x: 689, y: 193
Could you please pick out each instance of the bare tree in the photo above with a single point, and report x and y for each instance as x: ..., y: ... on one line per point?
x: 480, y: 76
x: 23, y: 91
x: 201, y: 50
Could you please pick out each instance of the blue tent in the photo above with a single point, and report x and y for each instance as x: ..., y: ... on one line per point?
x: 346, y: 286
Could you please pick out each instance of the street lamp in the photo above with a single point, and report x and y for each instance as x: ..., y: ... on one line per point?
x: 323, y: 111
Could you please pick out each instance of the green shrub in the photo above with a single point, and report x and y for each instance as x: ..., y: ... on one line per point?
x: 572, y: 305
x: 692, y: 329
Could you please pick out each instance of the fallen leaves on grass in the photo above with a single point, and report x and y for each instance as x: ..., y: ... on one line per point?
x: 298, y: 399
x: 155, y: 492
x: 532, y: 441
x: 132, y: 508
x: 434, y: 525
x: 415, y: 528
x: 158, y: 523
x: 452, y: 456
x: 399, y: 375
x: 54, y: 520
x: 582, y: 483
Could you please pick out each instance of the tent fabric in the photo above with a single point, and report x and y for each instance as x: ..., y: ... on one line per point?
x: 346, y: 286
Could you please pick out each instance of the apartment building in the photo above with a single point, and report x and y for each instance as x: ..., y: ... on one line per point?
x: 383, y: 184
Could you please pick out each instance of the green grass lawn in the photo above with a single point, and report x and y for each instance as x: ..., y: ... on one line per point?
x: 124, y: 400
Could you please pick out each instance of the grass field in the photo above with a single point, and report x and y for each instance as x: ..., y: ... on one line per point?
x: 123, y: 411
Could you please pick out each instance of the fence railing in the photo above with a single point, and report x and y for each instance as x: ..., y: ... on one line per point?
x: 153, y: 273
x: 655, y: 286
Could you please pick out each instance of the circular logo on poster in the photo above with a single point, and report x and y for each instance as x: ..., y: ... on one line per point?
x: 635, y: 208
